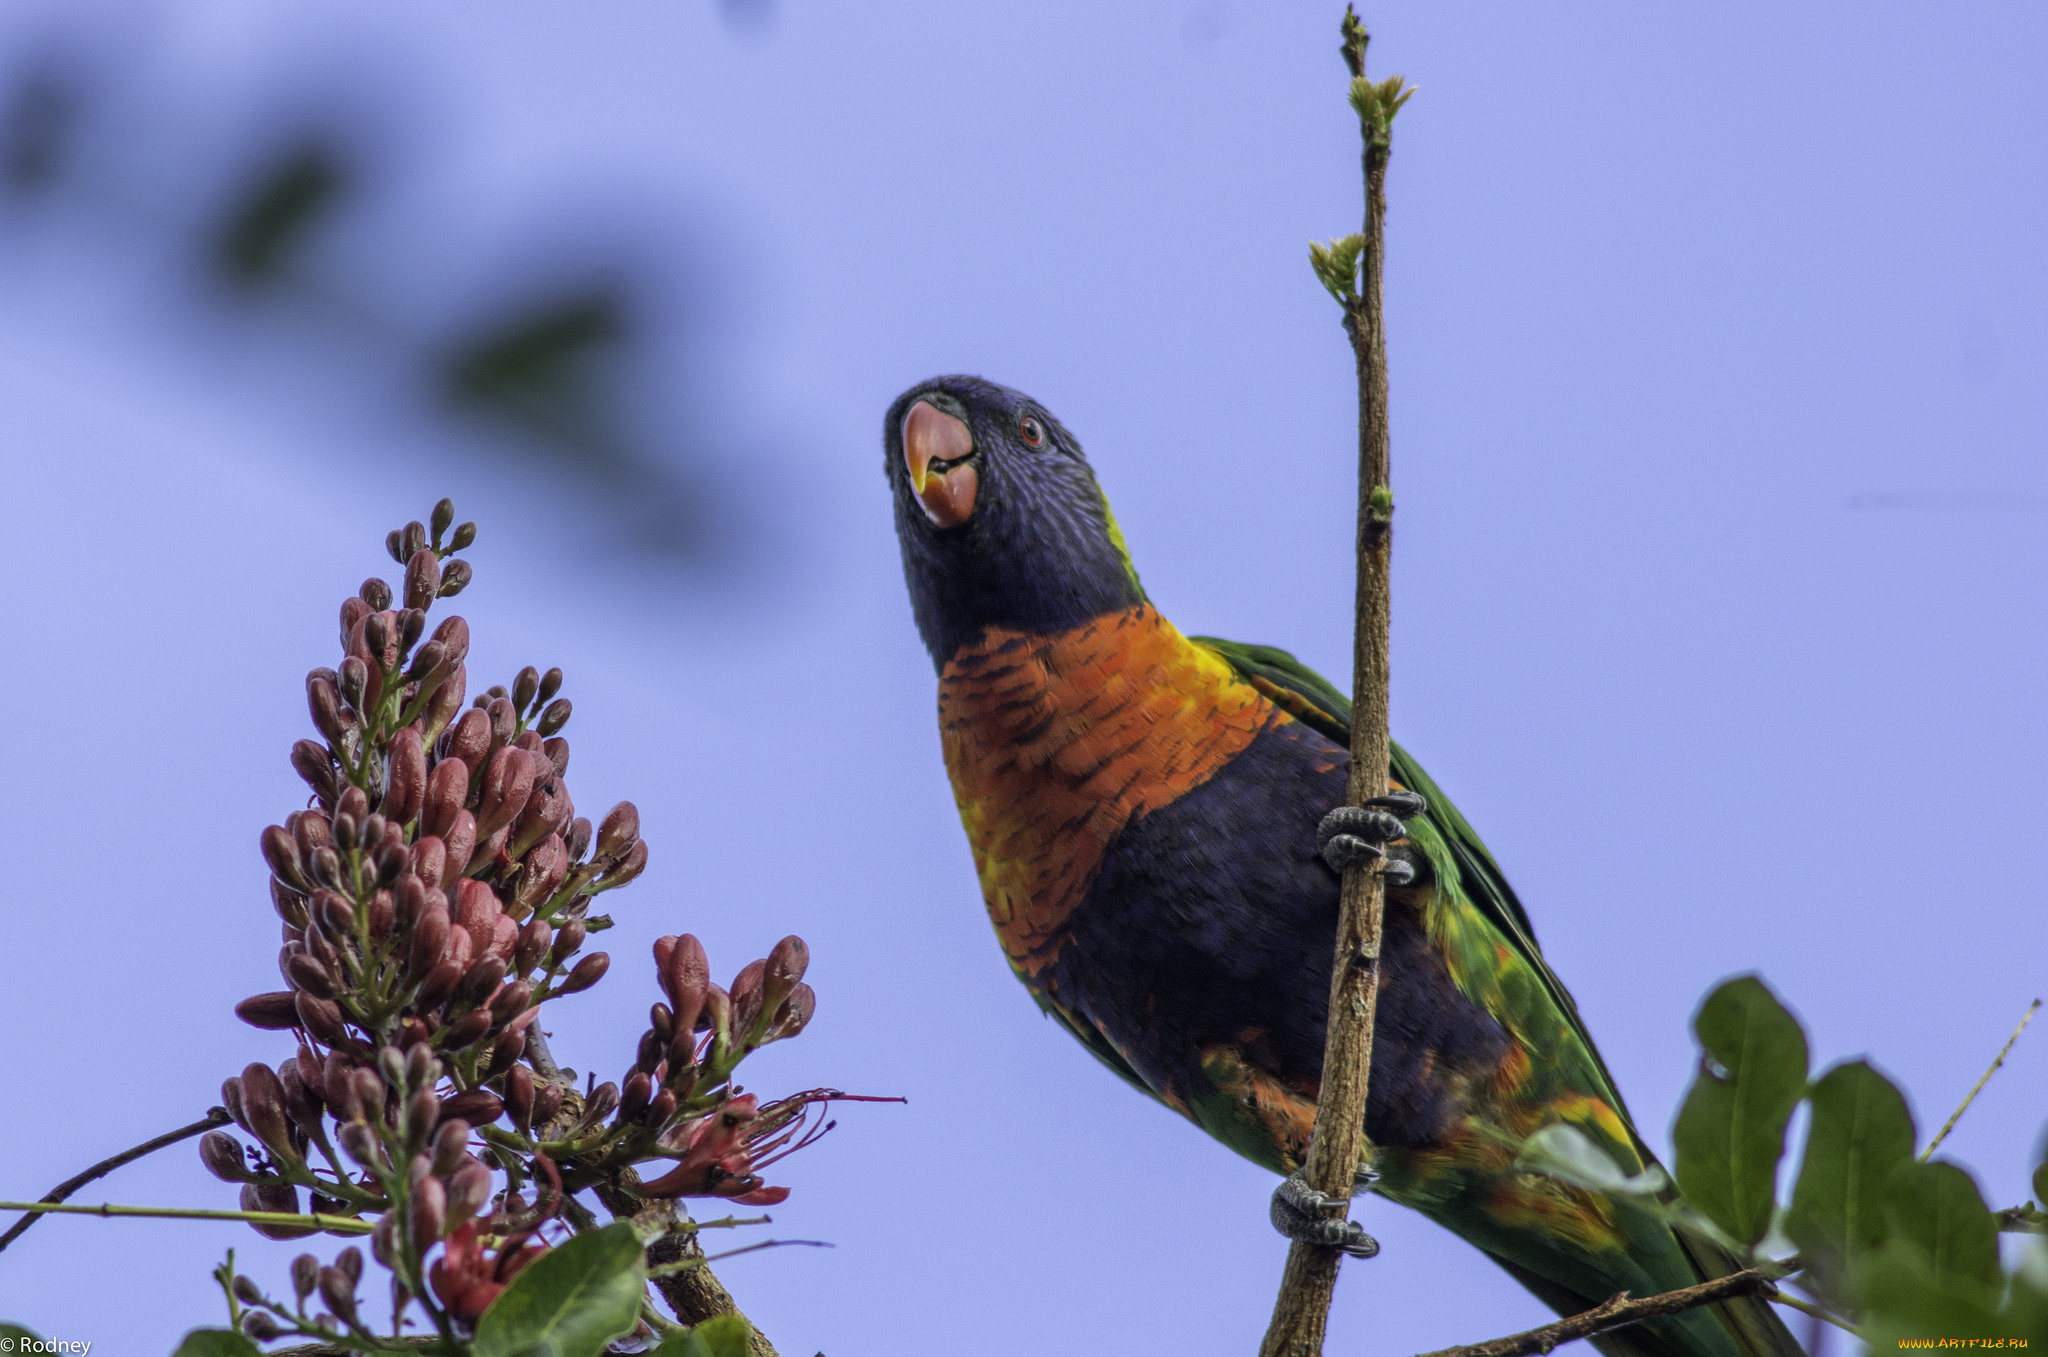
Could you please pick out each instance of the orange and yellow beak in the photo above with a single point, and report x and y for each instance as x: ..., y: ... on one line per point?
x: 945, y: 491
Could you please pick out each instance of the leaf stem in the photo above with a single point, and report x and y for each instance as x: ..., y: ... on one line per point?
x: 333, y: 1224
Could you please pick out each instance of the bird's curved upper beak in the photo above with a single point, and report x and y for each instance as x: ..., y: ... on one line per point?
x: 935, y: 445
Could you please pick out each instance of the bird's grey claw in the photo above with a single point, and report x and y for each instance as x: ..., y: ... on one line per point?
x: 1350, y: 834
x: 1299, y: 1212
x: 1407, y: 805
x: 1398, y: 872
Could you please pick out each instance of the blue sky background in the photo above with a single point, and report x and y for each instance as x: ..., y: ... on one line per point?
x: 1718, y: 348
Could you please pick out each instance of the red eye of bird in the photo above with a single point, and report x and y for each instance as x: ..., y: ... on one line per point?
x: 1032, y: 431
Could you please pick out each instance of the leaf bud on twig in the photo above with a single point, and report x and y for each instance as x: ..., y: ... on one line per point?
x: 223, y: 1157
x: 422, y: 579
x: 587, y: 972
x: 272, y: 1012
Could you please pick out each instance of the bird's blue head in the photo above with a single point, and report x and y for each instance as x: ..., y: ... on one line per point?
x: 1000, y: 519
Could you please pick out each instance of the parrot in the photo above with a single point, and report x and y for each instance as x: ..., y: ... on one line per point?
x: 1158, y: 825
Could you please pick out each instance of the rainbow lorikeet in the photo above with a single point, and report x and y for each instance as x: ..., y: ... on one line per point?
x: 1142, y: 808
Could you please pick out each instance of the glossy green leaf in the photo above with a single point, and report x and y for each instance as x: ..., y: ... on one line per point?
x: 1907, y: 1301
x: 1937, y: 1210
x: 216, y: 1343
x: 1861, y: 1135
x: 725, y: 1336
x: 1730, y: 1133
x: 571, y: 1302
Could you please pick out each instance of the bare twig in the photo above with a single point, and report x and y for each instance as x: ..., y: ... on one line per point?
x: 693, y: 1292
x: 1301, y: 1311
x: 2003, y: 1052
x: 686, y: 1264
x: 215, y: 1117
x: 1618, y: 1310
x: 2028, y: 1219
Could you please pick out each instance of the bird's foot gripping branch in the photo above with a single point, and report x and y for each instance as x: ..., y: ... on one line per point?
x: 436, y: 896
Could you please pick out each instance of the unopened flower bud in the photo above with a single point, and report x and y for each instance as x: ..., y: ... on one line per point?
x: 786, y: 965
x: 426, y: 661
x: 223, y: 1157
x: 339, y: 1293
x: 406, y: 781
x: 391, y: 1064
x: 309, y: 975
x: 506, y: 1049
x: 422, y: 1067
x: 630, y: 866
x: 651, y: 1050
x: 746, y: 997
x: 443, y: 515
x: 547, y: 1101
x: 621, y: 829
x: 360, y: 1144
x: 305, y: 1275
x: 426, y: 1213
x: 333, y: 910
x: 466, y: 1030
x: 511, y: 1001
x: 662, y: 1023
x: 422, y: 1111
x: 634, y: 1099
x: 376, y: 593
x: 579, y: 839
x: 588, y: 972
x: 302, y: 1102
x: 686, y: 977
x: 469, y: 740
x: 455, y: 575
x: 468, y: 1189
x: 311, y: 830
x: 451, y: 1141
x: 429, y: 937
x: 661, y: 1109
x: 532, y: 944
x: 312, y: 762
x: 272, y: 1012
x: 483, y: 977
x: 323, y: 701
x: 439, y: 984
x: 353, y: 801
x: 282, y: 853
x: 377, y: 636
x: 519, y: 1097
x: 445, y: 703
x: 476, y: 1107
x: 795, y: 1012
x: 339, y: 1084
x: 355, y: 682
x: 422, y: 579
x: 325, y: 869
x: 568, y: 941
x: 524, y: 687
x: 601, y: 1102
x: 412, y: 624
x: 346, y: 833
x: 279, y: 1197
x: 384, y: 1241
x: 717, y: 1015
x: 257, y: 1326
x: 508, y: 782
x: 289, y: 904
x: 321, y: 1017
x: 504, y: 719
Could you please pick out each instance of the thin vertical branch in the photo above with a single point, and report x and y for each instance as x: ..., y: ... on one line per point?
x: 1301, y: 1312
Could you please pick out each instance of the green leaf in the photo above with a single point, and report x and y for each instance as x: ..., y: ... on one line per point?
x: 1731, y: 1131
x: 572, y: 1301
x: 216, y: 1343
x: 1907, y: 1301
x: 1936, y: 1210
x: 1861, y: 1135
x: 725, y: 1336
